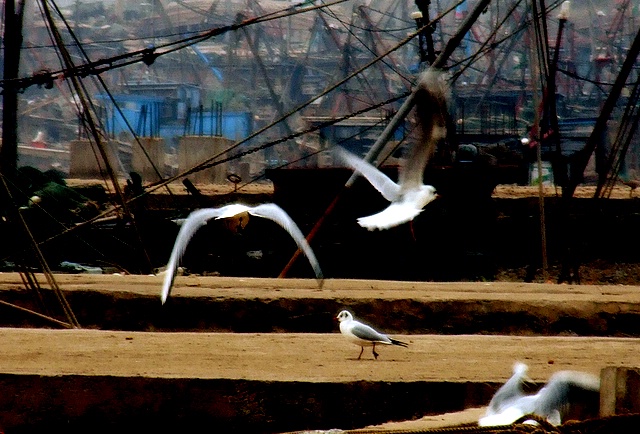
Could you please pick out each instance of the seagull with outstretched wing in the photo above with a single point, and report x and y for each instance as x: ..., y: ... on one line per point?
x: 510, y: 403
x: 509, y: 391
x: 199, y: 218
x: 409, y: 195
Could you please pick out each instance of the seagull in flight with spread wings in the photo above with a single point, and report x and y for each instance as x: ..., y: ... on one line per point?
x: 511, y: 403
x: 199, y: 218
x: 363, y: 335
x: 410, y: 195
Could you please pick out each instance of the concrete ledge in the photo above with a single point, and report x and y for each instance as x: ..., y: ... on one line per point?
x: 106, y: 381
x: 297, y: 305
x: 97, y: 404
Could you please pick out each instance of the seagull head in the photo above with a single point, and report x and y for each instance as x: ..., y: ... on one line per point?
x: 520, y: 369
x: 345, y: 315
x: 426, y: 194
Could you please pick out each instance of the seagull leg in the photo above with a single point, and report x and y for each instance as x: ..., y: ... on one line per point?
x: 374, y: 351
x: 413, y: 232
x: 361, y: 351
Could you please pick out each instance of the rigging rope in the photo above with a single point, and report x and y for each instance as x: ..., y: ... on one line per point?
x: 148, y: 55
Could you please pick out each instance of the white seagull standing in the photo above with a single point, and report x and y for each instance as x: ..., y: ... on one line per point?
x: 510, y: 402
x: 363, y: 335
x: 409, y: 196
x: 199, y: 218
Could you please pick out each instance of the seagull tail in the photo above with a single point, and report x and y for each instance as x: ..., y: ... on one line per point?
x: 399, y: 343
x: 432, y: 96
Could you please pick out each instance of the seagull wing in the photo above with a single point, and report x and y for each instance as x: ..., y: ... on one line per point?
x: 381, y: 182
x: 273, y: 212
x: 191, y: 224
x: 393, y: 215
x: 431, y: 111
x: 554, y: 396
x: 363, y: 331
x: 509, y: 392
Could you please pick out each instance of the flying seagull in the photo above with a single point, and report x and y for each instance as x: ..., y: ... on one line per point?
x: 199, y: 218
x: 410, y: 195
x: 511, y: 403
x: 363, y: 335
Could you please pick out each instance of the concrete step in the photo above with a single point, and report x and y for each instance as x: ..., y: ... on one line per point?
x: 106, y: 381
x: 249, y: 305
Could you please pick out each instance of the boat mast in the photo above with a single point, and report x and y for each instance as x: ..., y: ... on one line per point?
x: 439, y: 62
x: 12, y: 43
x: 425, y: 38
x: 13, y: 20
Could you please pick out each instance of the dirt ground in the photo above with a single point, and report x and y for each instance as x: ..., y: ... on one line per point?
x: 302, y: 357
x: 313, y: 357
x: 620, y: 191
x: 306, y: 357
x: 319, y: 356
x: 328, y: 357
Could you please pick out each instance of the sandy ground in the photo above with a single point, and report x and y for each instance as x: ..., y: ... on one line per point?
x: 324, y: 357
x: 620, y: 191
x: 503, y: 191
x: 307, y: 357
x: 317, y: 357
x: 302, y: 357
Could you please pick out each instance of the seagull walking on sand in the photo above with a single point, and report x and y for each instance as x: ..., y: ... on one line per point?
x: 363, y: 335
x: 199, y: 218
x: 511, y: 403
x: 410, y: 195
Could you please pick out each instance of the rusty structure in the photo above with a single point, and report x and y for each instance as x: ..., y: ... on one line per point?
x: 266, y: 88
x: 234, y: 92
x: 187, y: 68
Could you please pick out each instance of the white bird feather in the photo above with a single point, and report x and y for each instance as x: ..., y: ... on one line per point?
x: 410, y: 195
x: 199, y: 218
x: 511, y: 403
x: 364, y: 335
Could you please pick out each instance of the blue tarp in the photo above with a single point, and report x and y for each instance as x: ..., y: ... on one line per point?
x: 143, y: 114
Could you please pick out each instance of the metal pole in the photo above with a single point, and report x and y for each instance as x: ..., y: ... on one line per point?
x: 560, y: 166
x: 595, y: 139
x: 275, y: 99
x: 12, y: 47
x: 408, y: 104
x: 535, y: 72
x: 425, y: 38
x: 393, y: 124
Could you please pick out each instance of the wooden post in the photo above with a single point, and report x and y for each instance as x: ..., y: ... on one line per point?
x: 619, y: 391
